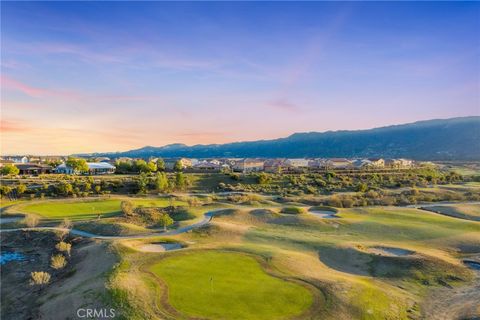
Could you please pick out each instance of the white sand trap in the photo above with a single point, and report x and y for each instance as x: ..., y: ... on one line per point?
x: 389, y: 251
x: 160, y: 247
x: 327, y: 214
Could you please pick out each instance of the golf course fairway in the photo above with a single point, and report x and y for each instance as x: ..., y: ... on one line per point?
x: 227, y: 285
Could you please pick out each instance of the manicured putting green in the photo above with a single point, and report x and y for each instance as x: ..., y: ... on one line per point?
x: 82, y: 210
x: 221, y: 285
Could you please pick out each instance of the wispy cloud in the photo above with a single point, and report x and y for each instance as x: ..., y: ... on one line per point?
x: 33, y: 91
x: 9, y: 126
x: 283, y: 104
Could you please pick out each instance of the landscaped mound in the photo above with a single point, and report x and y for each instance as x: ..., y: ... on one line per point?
x: 389, y: 262
x: 293, y: 210
x: 462, y: 211
x: 226, y: 285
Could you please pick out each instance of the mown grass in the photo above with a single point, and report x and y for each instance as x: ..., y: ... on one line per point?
x: 221, y: 285
x: 90, y: 209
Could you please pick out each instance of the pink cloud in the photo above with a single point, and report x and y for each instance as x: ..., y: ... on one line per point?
x: 34, y: 92
x: 283, y: 104
x: 12, y: 126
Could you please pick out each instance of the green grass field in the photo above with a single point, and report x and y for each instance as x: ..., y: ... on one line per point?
x: 89, y: 209
x: 221, y: 285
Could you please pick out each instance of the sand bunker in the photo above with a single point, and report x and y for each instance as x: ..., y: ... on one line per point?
x: 160, y: 247
x: 390, y: 252
x: 324, y: 213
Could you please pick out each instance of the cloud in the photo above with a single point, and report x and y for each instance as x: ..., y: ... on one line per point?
x: 283, y: 104
x: 12, y: 126
x: 34, y: 92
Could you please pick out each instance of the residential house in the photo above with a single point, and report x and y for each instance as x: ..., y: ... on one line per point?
x: 33, y: 168
x: 209, y: 166
x: 297, y: 163
x: 170, y: 163
x: 377, y: 162
x: 362, y: 164
x: 248, y: 165
x: 338, y: 163
x: 398, y: 163
x: 274, y: 165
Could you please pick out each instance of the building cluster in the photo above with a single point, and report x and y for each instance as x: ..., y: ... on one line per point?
x: 104, y: 165
x: 47, y: 164
x: 281, y: 165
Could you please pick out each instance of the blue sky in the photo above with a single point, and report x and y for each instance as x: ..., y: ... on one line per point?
x: 106, y: 76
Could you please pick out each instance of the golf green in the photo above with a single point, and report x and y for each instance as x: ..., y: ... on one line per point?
x: 225, y: 285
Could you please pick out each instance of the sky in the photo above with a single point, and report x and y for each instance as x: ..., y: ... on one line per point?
x: 113, y: 76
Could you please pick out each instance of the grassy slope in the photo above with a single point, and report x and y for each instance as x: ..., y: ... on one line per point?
x: 204, y: 284
x: 464, y: 211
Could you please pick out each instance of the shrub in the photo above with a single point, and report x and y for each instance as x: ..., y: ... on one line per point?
x: 66, y: 225
x: 335, y: 201
x: 347, y: 202
x: 193, y: 202
x: 58, y: 261
x: 293, y: 210
x: 64, y: 247
x: 127, y: 208
x: 31, y: 221
x: 39, y: 278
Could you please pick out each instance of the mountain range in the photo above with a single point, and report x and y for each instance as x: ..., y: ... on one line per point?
x: 440, y: 139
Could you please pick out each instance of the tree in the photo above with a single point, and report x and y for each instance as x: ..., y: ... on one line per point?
x: 180, y: 181
x: 127, y: 208
x: 178, y: 166
x: 65, y: 188
x: 21, y: 188
x: 141, y: 166
x: 152, y: 166
x: 165, y: 220
x: 161, y: 182
x: 9, y: 169
x: 362, y: 187
x: 123, y: 166
x: 78, y: 165
x: 5, y: 190
x: 263, y: 178
x: 142, y: 183
x: 98, y: 189
x: 58, y: 261
x: 160, y: 164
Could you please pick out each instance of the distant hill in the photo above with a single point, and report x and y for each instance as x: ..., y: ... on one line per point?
x: 446, y: 139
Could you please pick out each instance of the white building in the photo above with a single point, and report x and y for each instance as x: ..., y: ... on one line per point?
x: 93, y: 168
